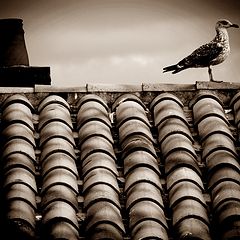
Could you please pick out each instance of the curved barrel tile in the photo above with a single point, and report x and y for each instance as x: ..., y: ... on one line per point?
x: 59, y: 176
x: 95, y: 158
x: 19, y: 191
x: 92, y: 111
x: 173, y: 126
x: 220, y: 159
x: 208, y: 107
x: 166, y: 106
x: 53, y: 100
x: 104, y: 214
x: 105, y: 231
x: 62, y: 230
x: 174, y: 135
x: 52, y: 113
x: 96, y: 144
x: 57, y: 212
x: 59, y: 193
x: 180, y: 159
x: 235, y: 104
x: 189, y: 209
x: 101, y: 192
x: 21, y: 219
x: 18, y: 146
x: 99, y: 161
x: 212, y: 125
x: 202, y: 95
x: 224, y: 192
x: 100, y: 187
x: 92, y: 129
x: 228, y: 213
x: 149, y: 229
x: 138, y: 143
x: 194, y: 228
x: 165, y: 96
x: 185, y: 185
x: 177, y: 142
x: 144, y: 211
x: 227, y: 218
x: 142, y: 174
x: 143, y: 191
x: 20, y: 131
x: 125, y: 98
x: 59, y: 204
x: 19, y: 187
x: 57, y: 145
x: 226, y: 173
x: 100, y: 176
x: 134, y: 127
x: 183, y: 191
x: 18, y: 160
x: 59, y: 160
x: 17, y: 98
x: 140, y: 159
x: 92, y: 98
x: 130, y: 110
x: 168, y: 109
x: 218, y: 142
x: 56, y: 130
x: 183, y: 174
x: 17, y: 113
x: 19, y: 175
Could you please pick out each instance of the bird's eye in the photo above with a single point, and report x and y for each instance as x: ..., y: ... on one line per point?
x: 224, y: 22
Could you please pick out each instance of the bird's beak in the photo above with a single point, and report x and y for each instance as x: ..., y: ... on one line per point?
x: 234, y: 25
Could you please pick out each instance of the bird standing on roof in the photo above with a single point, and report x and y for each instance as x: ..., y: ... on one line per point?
x: 207, y: 55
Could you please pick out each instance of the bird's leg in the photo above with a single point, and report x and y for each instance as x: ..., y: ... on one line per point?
x: 210, y: 74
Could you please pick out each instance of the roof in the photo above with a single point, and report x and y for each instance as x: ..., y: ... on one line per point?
x: 149, y: 161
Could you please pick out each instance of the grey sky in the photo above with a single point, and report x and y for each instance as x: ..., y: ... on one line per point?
x: 123, y: 41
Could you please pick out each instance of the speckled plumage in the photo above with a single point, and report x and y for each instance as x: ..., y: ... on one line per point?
x: 212, y: 53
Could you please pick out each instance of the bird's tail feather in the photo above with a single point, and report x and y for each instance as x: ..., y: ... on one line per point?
x: 170, y: 68
x: 174, y: 68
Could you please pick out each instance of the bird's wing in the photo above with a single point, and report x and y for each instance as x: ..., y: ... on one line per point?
x: 202, y: 56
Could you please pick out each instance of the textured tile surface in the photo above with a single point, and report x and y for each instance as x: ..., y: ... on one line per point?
x: 115, y: 165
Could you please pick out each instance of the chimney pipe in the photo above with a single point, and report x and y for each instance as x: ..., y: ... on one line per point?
x: 13, y: 50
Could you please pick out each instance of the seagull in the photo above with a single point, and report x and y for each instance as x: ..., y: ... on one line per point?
x: 207, y: 55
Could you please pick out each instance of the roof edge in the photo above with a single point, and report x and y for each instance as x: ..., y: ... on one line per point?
x: 144, y: 87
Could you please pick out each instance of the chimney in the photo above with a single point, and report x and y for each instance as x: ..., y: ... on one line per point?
x: 14, y: 61
x: 12, y: 43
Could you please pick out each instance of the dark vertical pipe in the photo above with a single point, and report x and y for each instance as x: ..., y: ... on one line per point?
x: 12, y: 43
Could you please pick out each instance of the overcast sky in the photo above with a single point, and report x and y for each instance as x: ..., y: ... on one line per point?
x: 123, y: 41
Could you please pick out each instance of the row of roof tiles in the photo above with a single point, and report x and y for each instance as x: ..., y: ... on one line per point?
x: 140, y: 206
x: 184, y: 184
x: 222, y: 161
x: 144, y: 203
x: 100, y: 187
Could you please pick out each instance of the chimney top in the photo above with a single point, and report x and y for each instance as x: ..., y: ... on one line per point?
x: 11, y: 23
x: 14, y: 63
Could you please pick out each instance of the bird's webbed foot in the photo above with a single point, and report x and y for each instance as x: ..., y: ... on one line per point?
x: 212, y: 80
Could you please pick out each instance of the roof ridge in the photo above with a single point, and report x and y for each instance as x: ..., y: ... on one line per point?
x: 108, y: 87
